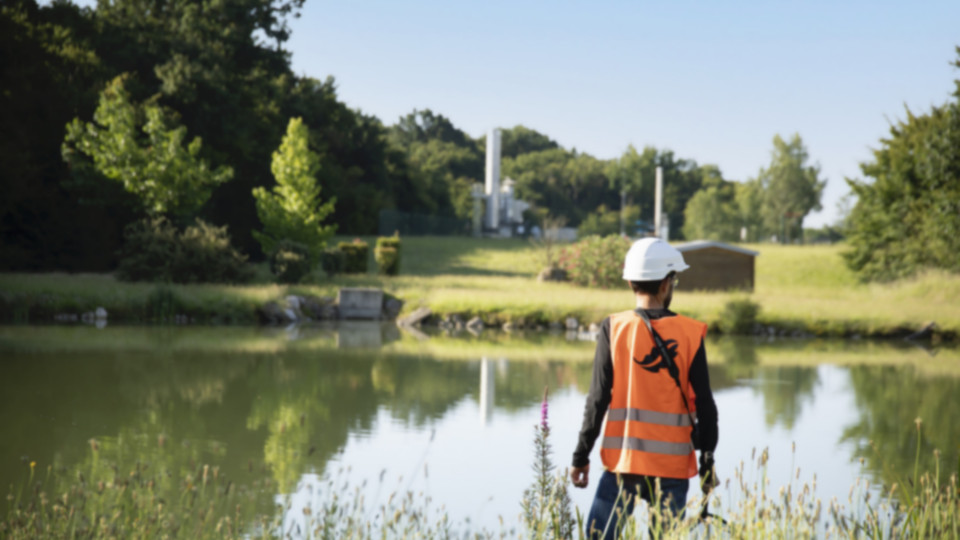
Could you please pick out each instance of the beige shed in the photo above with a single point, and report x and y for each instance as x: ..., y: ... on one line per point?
x: 716, y: 266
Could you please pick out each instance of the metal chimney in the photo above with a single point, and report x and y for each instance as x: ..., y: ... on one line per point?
x: 492, y: 183
x: 658, y: 205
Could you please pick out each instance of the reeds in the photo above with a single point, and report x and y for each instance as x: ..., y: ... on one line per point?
x: 163, y: 494
x: 131, y: 504
x: 123, y: 489
x: 923, y: 506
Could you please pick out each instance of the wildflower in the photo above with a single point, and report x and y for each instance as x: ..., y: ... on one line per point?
x: 543, y: 410
x: 546, y: 503
x: 32, y: 465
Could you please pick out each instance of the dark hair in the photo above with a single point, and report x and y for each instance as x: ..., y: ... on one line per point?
x: 649, y: 287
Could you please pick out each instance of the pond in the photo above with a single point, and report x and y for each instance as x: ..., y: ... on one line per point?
x: 450, y: 418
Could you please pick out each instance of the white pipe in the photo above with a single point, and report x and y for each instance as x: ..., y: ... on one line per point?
x: 658, y: 204
x: 492, y: 183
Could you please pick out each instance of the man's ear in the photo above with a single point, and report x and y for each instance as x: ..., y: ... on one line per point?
x: 664, y: 285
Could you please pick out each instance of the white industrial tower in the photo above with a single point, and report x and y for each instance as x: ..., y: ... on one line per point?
x: 492, y: 183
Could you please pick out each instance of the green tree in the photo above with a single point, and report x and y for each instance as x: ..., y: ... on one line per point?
x: 365, y: 171
x: 425, y: 125
x: 565, y: 183
x: 711, y: 214
x: 791, y: 188
x: 586, y: 182
x: 50, y: 74
x: 292, y: 210
x: 444, y: 163
x: 440, y: 171
x: 605, y: 222
x: 222, y: 67
x: 539, y: 179
x: 521, y: 140
x: 626, y: 175
x: 749, y: 199
x: 907, y: 217
x: 635, y: 173
x: 142, y: 147
x: 626, y: 172
x: 681, y: 179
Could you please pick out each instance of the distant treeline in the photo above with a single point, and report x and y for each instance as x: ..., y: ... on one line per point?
x: 219, y: 75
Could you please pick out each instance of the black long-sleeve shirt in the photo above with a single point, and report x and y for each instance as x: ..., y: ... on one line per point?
x: 598, y: 398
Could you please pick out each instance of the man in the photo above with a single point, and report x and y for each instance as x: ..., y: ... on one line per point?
x: 646, y: 448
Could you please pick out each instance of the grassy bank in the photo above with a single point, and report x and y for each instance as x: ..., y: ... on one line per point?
x: 798, y: 288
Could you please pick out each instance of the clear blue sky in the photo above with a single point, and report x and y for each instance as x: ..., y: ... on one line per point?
x: 712, y: 81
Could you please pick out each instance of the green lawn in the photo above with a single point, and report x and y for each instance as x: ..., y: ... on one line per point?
x: 802, y: 286
x: 797, y: 287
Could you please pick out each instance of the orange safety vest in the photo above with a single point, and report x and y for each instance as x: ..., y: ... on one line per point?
x: 648, y: 430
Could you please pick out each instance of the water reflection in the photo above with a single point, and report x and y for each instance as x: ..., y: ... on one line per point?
x: 287, y: 404
x: 889, y: 399
x: 487, y: 390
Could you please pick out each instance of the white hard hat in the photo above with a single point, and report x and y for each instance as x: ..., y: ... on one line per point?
x: 651, y: 259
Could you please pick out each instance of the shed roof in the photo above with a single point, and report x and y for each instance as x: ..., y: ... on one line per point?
x: 703, y: 244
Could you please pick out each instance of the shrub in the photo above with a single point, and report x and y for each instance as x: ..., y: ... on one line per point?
x: 595, y: 261
x: 206, y: 256
x: 290, y: 261
x: 739, y: 316
x: 149, y: 246
x: 154, y: 250
x: 332, y: 260
x: 387, y: 255
x: 388, y: 260
x: 354, y: 256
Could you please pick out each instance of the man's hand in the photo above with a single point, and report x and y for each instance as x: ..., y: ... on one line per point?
x: 580, y: 476
x: 708, y: 473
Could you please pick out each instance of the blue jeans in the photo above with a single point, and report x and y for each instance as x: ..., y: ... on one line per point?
x: 617, y: 494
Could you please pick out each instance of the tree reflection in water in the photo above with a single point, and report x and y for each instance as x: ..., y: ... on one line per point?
x: 890, y: 399
x: 258, y: 403
x: 289, y: 410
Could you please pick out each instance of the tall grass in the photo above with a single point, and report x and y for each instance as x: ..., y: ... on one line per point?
x: 745, y: 507
x: 129, y: 489
x: 125, y: 494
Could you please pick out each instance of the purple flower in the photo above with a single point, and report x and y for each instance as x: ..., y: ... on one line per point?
x: 543, y: 411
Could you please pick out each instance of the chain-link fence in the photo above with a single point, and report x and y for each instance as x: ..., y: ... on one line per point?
x: 411, y: 224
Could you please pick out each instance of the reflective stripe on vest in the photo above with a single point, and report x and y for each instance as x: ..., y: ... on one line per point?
x: 647, y: 427
x: 650, y: 417
x: 646, y: 445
